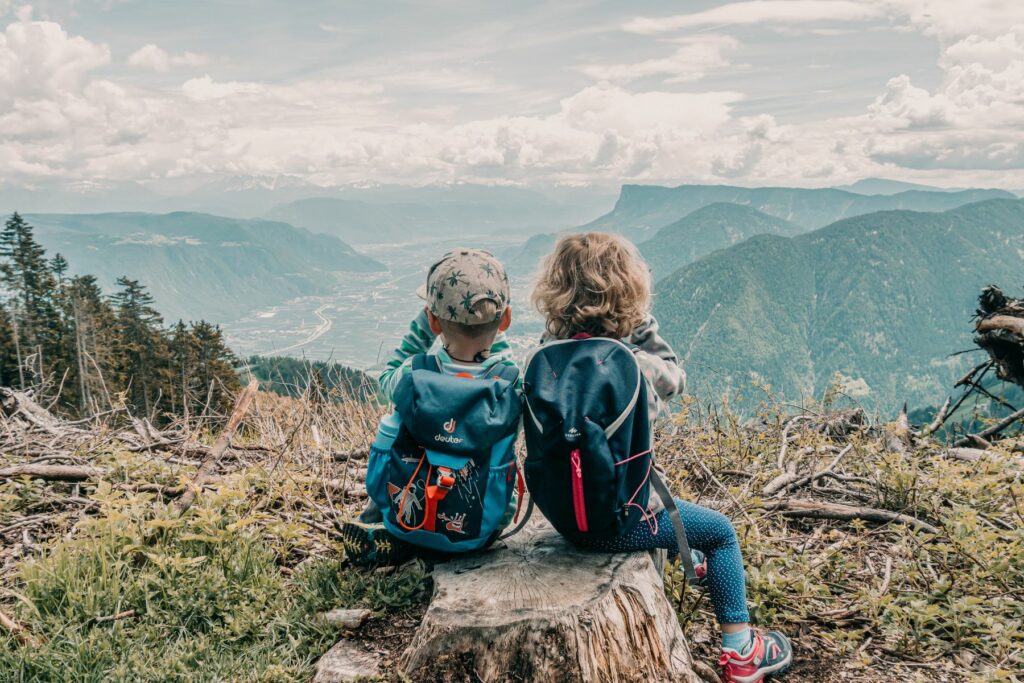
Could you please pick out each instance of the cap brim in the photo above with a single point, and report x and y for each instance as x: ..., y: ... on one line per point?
x: 421, y: 292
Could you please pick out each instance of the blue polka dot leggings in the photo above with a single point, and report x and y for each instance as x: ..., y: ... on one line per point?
x: 708, y: 531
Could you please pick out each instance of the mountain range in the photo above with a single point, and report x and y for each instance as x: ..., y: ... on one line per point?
x: 883, y: 298
x: 405, y: 211
x: 708, y: 229
x: 672, y: 229
x: 198, y: 265
x: 642, y: 210
x: 402, y: 215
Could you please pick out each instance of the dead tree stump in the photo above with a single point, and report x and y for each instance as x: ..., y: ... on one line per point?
x: 535, y: 608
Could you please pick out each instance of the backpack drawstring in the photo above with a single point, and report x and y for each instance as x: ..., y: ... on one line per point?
x: 645, y: 514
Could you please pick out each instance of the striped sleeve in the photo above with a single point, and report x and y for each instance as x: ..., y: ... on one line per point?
x: 417, y: 340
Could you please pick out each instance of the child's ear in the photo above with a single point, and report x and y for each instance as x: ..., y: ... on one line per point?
x: 435, y: 322
x: 506, y: 319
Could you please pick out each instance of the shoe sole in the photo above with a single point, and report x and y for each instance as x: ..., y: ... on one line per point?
x: 364, y: 548
x: 770, y: 672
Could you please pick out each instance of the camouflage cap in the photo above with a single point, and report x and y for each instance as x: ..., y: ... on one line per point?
x: 461, y: 279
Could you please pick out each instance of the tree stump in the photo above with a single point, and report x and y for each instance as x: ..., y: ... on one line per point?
x: 535, y: 608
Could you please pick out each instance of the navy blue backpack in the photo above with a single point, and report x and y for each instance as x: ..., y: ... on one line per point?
x: 448, y: 478
x: 589, y: 451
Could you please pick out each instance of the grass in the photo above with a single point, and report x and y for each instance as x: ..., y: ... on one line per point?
x: 208, y: 596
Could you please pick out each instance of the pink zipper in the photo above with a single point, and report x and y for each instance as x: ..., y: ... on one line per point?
x: 577, y: 490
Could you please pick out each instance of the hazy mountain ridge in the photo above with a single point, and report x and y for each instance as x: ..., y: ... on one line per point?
x: 708, y: 229
x: 641, y: 210
x: 883, y: 298
x: 199, y: 265
x: 362, y: 221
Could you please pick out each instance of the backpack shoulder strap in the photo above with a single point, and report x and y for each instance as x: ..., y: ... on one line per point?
x: 685, y: 557
x: 506, y: 371
x: 422, y: 361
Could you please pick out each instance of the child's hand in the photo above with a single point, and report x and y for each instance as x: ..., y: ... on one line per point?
x: 423, y: 323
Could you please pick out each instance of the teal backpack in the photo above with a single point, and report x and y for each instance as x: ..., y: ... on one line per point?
x: 446, y: 481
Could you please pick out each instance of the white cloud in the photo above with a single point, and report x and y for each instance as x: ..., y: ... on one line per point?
x: 975, y: 117
x: 39, y: 59
x: 958, y: 18
x: 59, y: 117
x: 151, y: 56
x: 760, y: 12
x: 691, y: 61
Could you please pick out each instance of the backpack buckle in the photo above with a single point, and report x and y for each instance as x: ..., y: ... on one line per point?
x: 445, y: 478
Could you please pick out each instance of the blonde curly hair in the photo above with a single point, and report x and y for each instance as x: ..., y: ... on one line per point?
x: 594, y: 283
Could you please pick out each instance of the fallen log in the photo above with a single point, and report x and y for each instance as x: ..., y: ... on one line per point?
x: 536, y: 608
x: 818, y: 510
x: 52, y: 472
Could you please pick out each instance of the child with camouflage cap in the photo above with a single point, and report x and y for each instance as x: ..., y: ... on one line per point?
x: 467, y: 308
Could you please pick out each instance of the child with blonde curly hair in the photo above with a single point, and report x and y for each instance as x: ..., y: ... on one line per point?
x: 596, y: 285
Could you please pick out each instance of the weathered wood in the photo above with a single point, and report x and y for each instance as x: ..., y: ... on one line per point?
x: 536, y: 608
x: 52, y: 472
x: 21, y: 634
x: 1002, y: 322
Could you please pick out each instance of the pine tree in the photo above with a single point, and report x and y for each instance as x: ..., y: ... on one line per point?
x: 59, y: 266
x: 8, y: 357
x: 141, y: 346
x: 94, y: 333
x: 31, y: 287
x: 203, y: 369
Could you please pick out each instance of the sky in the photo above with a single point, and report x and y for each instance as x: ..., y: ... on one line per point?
x: 540, y: 94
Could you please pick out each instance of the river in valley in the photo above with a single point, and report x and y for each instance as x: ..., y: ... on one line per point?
x: 364, y: 317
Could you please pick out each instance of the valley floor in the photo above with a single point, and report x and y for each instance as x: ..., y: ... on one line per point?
x: 107, y: 582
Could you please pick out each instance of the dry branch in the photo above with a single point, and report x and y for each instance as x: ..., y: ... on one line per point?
x: 21, y: 634
x: 1002, y: 322
x: 220, y: 446
x: 991, y: 431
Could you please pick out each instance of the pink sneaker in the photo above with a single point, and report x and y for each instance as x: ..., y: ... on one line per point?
x: 770, y: 655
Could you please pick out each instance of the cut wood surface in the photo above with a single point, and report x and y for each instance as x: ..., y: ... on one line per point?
x: 535, y: 608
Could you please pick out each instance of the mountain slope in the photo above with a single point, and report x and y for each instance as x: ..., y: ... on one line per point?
x: 198, y: 265
x: 883, y: 298
x: 708, y: 229
x: 641, y: 210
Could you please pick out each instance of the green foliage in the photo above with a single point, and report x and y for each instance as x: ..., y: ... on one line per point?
x: 204, y: 594
x: 322, y: 379
x: 881, y: 299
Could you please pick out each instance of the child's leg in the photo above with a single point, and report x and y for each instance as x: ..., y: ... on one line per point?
x: 712, y: 533
x: 371, y: 514
x: 707, y: 531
